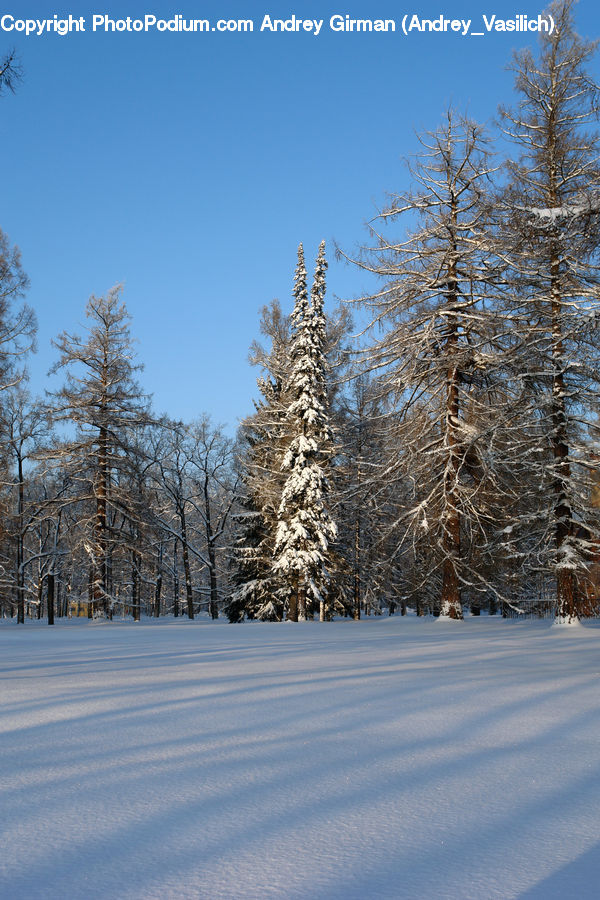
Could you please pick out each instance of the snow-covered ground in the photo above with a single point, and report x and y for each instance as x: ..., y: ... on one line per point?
x: 390, y: 758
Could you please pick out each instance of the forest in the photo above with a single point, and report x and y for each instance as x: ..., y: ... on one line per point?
x: 443, y: 460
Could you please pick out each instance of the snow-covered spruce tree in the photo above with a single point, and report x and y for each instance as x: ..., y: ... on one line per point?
x: 104, y: 402
x: 257, y: 593
x: 550, y: 241
x: 437, y: 361
x: 305, y: 528
x: 264, y: 436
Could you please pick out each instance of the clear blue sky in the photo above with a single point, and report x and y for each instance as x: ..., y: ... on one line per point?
x: 189, y: 166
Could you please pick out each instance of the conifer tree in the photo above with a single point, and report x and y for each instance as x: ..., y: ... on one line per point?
x: 258, y: 591
x: 550, y: 243
x: 102, y: 398
x: 436, y: 359
x: 305, y: 528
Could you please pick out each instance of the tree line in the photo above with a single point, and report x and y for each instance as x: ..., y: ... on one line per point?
x: 446, y: 460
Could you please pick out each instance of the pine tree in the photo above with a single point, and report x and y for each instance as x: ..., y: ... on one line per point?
x: 305, y: 528
x: 550, y: 242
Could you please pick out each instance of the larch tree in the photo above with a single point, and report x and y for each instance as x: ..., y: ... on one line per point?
x: 105, y: 403
x: 436, y: 359
x: 305, y: 528
x: 550, y: 243
x: 17, y: 320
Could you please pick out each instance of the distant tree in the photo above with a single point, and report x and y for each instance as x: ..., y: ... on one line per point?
x: 195, y: 493
x: 23, y: 430
x: 363, y: 494
x: 176, y: 498
x: 17, y: 338
x: 212, y: 472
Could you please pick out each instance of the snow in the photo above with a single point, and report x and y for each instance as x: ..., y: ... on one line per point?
x: 387, y: 758
x: 553, y: 214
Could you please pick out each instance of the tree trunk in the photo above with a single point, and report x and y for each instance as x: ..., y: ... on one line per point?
x: 214, y: 592
x: 212, y: 561
x: 292, y: 612
x: 450, y: 601
x: 566, y: 606
x: 50, y: 597
x: 451, y: 604
x: 135, y: 587
x: 175, y: 580
x: 186, y: 566
x: 357, y: 597
x: 158, y: 585
x: 20, y: 543
x: 99, y: 593
x: 301, y: 604
x: 566, y: 583
x: 59, y: 599
x: 90, y: 605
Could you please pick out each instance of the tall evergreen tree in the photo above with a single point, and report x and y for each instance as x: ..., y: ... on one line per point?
x: 305, y: 527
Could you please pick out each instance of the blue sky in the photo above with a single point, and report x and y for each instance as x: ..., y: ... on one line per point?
x: 189, y: 167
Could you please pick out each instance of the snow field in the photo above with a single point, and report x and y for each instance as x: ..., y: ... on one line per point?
x: 391, y: 758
